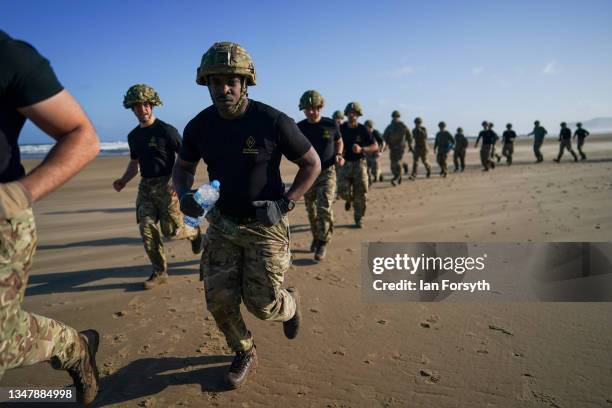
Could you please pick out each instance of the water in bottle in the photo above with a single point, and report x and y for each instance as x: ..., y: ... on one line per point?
x: 206, y: 196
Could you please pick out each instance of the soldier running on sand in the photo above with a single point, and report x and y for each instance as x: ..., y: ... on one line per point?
x: 397, y: 136
x: 443, y: 144
x: 29, y: 89
x: 538, y: 133
x: 461, y: 144
x: 581, y: 134
x: 246, y: 251
x: 358, y: 141
x: 420, y: 149
x: 324, y: 135
x: 373, y: 159
x: 508, y: 138
x: 153, y: 148
x: 485, y: 151
x: 565, y: 142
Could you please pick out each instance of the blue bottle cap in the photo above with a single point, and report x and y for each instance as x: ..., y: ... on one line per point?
x: 215, y: 184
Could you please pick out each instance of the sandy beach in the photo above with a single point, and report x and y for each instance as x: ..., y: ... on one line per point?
x: 161, y: 347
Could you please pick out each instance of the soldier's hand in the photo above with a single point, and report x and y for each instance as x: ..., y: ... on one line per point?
x: 268, y: 212
x: 119, y: 184
x: 189, y: 206
x: 14, y: 198
x: 340, y: 160
x: 356, y: 148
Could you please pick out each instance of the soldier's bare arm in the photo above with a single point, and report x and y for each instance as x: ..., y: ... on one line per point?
x: 62, y: 118
x: 130, y: 172
x: 373, y: 148
x: 310, y: 167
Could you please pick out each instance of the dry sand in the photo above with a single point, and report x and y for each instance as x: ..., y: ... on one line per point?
x: 161, y: 348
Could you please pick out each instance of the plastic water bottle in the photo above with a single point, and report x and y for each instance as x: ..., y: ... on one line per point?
x: 206, y: 196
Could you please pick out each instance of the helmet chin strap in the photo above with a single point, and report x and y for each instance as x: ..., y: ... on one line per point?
x: 235, y: 109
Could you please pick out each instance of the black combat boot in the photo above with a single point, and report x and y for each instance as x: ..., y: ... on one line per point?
x: 292, y: 326
x: 405, y: 167
x: 157, y: 278
x: 320, y: 251
x: 240, y: 367
x: 196, y: 243
x: 85, y: 372
x: 428, y: 172
x: 347, y: 205
x: 381, y: 178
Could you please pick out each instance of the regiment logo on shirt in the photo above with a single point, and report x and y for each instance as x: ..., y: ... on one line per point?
x: 326, y: 134
x: 153, y: 142
x: 249, y: 143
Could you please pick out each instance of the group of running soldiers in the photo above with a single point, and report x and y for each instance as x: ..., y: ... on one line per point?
x: 246, y: 247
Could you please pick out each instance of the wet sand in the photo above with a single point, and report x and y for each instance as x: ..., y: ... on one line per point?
x: 161, y: 348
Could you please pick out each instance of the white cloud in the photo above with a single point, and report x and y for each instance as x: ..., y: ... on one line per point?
x: 477, y: 71
x: 401, y: 72
x: 550, y: 68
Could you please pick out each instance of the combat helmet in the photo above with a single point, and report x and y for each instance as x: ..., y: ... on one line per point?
x: 338, y: 115
x: 537, y: 123
x: 141, y: 93
x: 579, y: 124
x: 353, y: 106
x: 484, y: 123
x: 312, y: 99
x: 442, y: 124
x: 395, y: 114
x: 563, y: 124
x: 508, y: 125
x: 418, y: 120
x: 368, y: 123
x: 226, y: 58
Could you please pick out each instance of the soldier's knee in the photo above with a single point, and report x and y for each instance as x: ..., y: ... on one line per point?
x: 262, y: 308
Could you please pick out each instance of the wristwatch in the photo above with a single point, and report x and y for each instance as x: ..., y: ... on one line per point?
x: 290, y: 204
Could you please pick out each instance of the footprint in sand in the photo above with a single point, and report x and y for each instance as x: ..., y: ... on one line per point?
x: 430, y: 322
x: 431, y: 376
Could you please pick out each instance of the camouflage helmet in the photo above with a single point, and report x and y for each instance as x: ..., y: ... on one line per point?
x: 140, y: 93
x: 395, y: 114
x: 459, y: 130
x: 418, y: 120
x: 579, y: 124
x: 353, y: 106
x: 311, y: 98
x: 338, y: 115
x: 226, y: 58
x: 485, y: 123
x: 537, y: 123
x: 368, y: 123
x: 508, y: 125
x: 563, y: 124
x: 442, y: 124
x: 491, y: 124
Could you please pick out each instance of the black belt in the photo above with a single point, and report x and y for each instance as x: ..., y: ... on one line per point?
x: 240, y: 220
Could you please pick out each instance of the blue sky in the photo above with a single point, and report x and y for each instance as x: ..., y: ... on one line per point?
x: 461, y: 62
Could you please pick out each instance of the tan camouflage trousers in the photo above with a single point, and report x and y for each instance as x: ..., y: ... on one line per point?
x: 441, y: 159
x: 27, y: 338
x: 579, y: 144
x: 245, y: 263
x: 566, y: 144
x: 373, y: 166
x: 508, y: 151
x: 485, y: 156
x: 353, y: 186
x: 319, y: 200
x: 420, y: 152
x: 459, y: 158
x: 157, y: 206
x: 395, y: 156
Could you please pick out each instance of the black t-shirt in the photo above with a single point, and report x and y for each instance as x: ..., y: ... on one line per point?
x: 155, y: 147
x: 508, y: 136
x: 244, y: 154
x: 357, y: 135
x: 377, y: 137
x: 581, y: 133
x: 26, y: 78
x: 565, y: 134
x: 487, y: 136
x: 322, y: 135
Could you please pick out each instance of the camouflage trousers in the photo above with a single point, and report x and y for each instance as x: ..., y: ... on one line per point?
x: 579, y: 144
x: 459, y: 158
x: 420, y: 152
x: 373, y: 166
x: 508, y: 151
x: 537, y: 144
x: 353, y: 186
x: 485, y: 156
x: 566, y: 144
x: 27, y: 338
x: 441, y: 159
x: 245, y: 261
x: 395, y: 156
x: 319, y: 200
x: 494, y: 153
x: 157, y: 203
